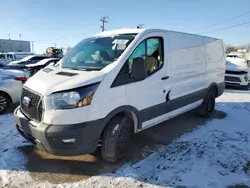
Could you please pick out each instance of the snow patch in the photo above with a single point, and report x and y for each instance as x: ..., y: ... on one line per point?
x: 216, y: 154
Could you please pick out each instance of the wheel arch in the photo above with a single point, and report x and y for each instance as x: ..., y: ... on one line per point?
x: 126, y: 110
x: 213, y: 86
x: 9, y: 97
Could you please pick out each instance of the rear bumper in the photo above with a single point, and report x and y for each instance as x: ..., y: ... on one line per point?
x: 65, y: 140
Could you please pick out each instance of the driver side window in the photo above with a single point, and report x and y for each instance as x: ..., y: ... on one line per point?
x: 151, y: 50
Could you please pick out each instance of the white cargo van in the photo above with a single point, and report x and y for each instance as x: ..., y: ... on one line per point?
x: 118, y: 83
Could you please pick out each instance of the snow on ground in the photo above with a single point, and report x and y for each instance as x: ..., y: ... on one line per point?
x: 216, y: 154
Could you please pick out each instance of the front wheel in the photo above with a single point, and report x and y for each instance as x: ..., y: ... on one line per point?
x: 207, y: 107
x: 4, y: 102
x: 116, y: 138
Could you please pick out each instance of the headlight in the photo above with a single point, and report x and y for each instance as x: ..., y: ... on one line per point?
x: 75, y: 98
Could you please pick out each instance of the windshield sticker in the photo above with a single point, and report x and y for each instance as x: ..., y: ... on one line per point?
x: 119, y: 44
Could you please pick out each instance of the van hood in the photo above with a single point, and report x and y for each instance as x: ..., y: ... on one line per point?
x: 52, y: 79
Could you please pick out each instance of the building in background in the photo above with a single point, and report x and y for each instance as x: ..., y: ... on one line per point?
x: 14, y: 46
x: 241, y: 53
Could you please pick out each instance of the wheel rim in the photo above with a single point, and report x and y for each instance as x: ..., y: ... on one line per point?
x: 3, y: 103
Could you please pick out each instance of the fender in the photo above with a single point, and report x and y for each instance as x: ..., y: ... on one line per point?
x: 124, y: 109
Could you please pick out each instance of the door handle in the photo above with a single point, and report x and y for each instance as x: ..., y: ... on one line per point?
x: 165, y: 78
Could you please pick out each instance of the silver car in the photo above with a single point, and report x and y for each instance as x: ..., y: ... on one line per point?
x: 11, y: 82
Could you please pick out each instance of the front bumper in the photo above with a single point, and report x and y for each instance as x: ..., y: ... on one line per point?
x: 65, y: 140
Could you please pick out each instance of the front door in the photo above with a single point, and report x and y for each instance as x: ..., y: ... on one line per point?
x: 149, y: 95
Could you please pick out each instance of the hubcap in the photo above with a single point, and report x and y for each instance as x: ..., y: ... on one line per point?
x: 3, y: 103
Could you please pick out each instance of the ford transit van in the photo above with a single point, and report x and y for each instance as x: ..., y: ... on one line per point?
x: 118, y: 83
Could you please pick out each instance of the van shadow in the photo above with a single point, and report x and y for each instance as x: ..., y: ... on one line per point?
x: 46, y: 167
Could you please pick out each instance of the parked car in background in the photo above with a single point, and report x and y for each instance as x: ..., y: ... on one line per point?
x: 29, y: 60
x: 34, y: 68
x: 6, y: 58
x: 2, y: 65
x: 11, y: 82
x: 30, y: 69
x: 23, y: 68
x: 237, y: 72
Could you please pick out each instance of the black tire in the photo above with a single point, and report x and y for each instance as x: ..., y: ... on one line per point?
x: 207, y: 107
x: 4, y: 102
x: 116, y: 138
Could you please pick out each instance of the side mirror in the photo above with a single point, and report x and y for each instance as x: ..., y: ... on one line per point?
x: 138, y: 69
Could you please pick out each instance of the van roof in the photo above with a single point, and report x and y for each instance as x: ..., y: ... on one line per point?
x: 120, y: 31
x: 127, y: 31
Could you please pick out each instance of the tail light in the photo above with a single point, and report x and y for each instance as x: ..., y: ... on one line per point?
x: 22, y: 79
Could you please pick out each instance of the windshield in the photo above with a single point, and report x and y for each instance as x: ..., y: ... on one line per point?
x: 96, y: 53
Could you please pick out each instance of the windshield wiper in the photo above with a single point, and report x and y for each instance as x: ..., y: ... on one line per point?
x: 92, y: 68
x: 83, y: 68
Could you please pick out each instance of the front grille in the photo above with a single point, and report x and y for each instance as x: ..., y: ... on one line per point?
x: 236, y: 72
x: 232, y: 79
x: 32, y: 109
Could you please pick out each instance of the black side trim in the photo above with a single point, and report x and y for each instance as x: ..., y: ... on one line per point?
x: 166, y: 107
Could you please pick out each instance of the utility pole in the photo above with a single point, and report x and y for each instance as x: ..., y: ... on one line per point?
x: 9, y: 36
x: 55, y: 45
x: 103, y: 20
x: 20, y: 43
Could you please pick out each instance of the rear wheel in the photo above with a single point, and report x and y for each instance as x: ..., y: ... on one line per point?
x: 116, y: 138
x: 4, y: 102
x: 207, y: 107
